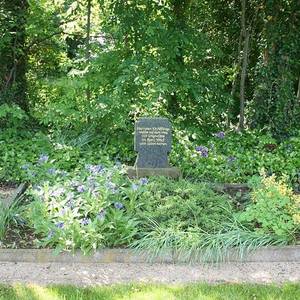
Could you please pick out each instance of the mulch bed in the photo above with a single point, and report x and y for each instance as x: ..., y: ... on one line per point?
x: 19, y: 237
x: 6, y: 190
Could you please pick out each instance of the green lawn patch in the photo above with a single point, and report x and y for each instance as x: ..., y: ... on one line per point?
x: 153, y: 292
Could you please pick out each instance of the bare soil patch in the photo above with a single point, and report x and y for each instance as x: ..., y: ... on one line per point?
x: 19, y: 237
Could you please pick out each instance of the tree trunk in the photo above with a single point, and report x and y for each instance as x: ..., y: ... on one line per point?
x: 87, y: 44
x: 243, y: 79
x: 298, y: 92
x: 179, y: 9
x: 246, y: 36
x: 236, y: 64
x: 14, y: 56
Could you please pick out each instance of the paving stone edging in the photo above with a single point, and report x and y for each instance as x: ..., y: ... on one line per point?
x: 266, y: 254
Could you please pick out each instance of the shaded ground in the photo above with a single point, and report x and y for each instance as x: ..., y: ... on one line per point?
x: 19, y: 237
x: 6, y: 191
x: 100, y: 274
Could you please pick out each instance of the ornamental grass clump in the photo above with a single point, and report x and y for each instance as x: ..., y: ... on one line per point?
x: 274, y: 209
x: 9, y: 215
x: 196, y: 245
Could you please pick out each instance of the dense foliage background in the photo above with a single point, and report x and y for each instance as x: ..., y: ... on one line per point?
x: 206, y: 64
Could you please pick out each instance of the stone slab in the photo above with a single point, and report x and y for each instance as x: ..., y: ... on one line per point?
x: 264, y: 254
x: 134, y: 172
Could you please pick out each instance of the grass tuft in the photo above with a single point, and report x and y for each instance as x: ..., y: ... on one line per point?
x: 195, y: 245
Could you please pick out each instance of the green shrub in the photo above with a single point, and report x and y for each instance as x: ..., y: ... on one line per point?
x: 274, y: 208
x: 184, y: 204
x: 11, y: 116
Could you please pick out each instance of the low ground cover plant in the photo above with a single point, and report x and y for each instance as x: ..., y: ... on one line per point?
x: 9, y: 216
x: 221, y: 157
x: 236, y: 157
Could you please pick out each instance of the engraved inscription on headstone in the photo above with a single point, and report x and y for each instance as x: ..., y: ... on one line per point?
x: 153, y: 140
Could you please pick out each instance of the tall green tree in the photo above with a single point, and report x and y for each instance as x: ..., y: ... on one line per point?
x: 275, y: 103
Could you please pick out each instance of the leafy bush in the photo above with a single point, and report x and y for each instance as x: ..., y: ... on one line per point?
x: 11, y: 116
x: 275, y: 209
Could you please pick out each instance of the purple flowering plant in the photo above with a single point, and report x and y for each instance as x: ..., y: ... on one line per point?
x: 231, y: 159
x: 90, y: 195
x: 43, y: 158
x: 144, y: 181
x: 57, y: 192
x: 81, y: 188
x: 50, y: 234
x: 52, y: 171
x: 60, y: 225
x: 220, y: 134
x: 202, y: 150
x: 95, y: 169
x: 85, y: 221
x: 25, y: 166
x: 101, y: 214
x: 134, y: 186
x: 118, y: 205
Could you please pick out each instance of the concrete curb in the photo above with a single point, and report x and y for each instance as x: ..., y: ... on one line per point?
x: 266, y: 254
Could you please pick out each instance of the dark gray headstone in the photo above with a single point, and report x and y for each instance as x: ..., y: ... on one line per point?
x: 153, y: 140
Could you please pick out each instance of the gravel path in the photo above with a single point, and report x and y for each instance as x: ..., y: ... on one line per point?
x: 99, y: 274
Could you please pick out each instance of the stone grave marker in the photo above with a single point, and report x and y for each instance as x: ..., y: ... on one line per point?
x: 153, y: 142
